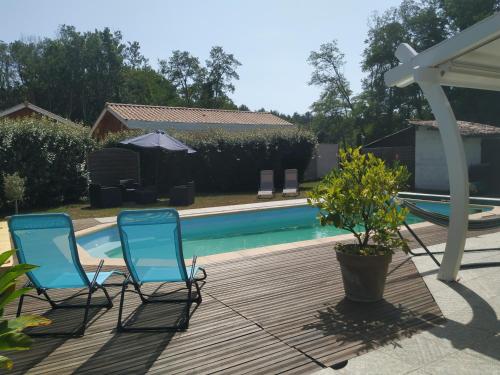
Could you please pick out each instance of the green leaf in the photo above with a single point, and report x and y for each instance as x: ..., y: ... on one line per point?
x: 7, y: 297
x: 337, y: 220
x: 28, y: 321
x: 5, y: 256
x: 6, y: 363
x: 12, y: 274
x: 15, y: 341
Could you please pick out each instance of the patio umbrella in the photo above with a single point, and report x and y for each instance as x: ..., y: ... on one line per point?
x: 158, y: 140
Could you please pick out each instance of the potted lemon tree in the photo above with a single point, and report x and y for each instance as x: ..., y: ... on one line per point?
x: 359, y: 197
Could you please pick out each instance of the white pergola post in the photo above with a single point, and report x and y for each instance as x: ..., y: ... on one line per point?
x: 470, y: 59
x: 457, y: 172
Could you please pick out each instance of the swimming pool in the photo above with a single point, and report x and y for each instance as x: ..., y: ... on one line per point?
x: 243, y: 230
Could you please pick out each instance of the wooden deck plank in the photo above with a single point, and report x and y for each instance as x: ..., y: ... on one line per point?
x: 280, y: 312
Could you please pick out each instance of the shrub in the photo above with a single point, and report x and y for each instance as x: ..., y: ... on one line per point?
x: 13, y: 187
x: 227, y: 161
x: 359, y: 197
x: 114, y: 139
x: 50, y: 156
x: 11, y: 335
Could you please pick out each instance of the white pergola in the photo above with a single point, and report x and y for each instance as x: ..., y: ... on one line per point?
x: 469, y: 59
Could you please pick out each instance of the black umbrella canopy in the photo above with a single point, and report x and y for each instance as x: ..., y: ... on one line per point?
x: 160, y: 140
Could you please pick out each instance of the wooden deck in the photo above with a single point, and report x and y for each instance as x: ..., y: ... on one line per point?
x: 282, y: 312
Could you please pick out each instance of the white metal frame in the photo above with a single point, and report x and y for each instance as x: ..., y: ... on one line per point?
x: 443, y: 65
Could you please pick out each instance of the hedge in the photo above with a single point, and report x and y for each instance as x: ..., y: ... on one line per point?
x: 227, y: 161
x: 50, y: 156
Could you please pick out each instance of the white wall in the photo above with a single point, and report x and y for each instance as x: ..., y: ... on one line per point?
x: 323, y: 160
x: 431, y: 172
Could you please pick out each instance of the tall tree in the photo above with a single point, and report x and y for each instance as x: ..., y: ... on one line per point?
x: 464, y: 13
x: 336, y: 110
x: 220, y: 72
x: 186, y: 74
x: 147, y: 86
x: 133, y: 56
x: 418, y: 23
x: 75, y: 73
x: 10, y: 83
x: 328, y: 64
x: 421, y: 24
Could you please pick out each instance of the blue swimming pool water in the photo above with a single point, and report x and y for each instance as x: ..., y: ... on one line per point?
x: 245, y: 230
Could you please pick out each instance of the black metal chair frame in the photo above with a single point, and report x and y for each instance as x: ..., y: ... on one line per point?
x: 59, y: 304
x: 150, y: 298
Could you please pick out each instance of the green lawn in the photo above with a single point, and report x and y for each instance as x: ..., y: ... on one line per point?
x: 82, y: 210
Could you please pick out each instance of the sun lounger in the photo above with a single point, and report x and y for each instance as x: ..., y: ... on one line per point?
x: 152, y: 249
x: 291, y: 188
x: 48, y: 241
x: 266, y: 189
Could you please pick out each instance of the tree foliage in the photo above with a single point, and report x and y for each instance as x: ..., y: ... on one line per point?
x: 206, y: 86
x: 464, y: 13
x: 50, y: 156
x: 220, y: 73
x: 380, y: 110
x: 336, y: 110
x: 185, y: 73
x: 75, y: 73
x: 13, y: 187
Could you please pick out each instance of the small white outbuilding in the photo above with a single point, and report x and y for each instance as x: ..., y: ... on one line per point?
x: 420, y: 148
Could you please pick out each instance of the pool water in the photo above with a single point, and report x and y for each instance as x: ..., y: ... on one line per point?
x: 244, y: 230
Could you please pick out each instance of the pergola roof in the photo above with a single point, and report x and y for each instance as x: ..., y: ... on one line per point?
x: 469, y: 59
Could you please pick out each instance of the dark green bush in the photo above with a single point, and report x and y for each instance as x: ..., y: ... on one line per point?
x: 226, y: 161
x: 50, y: 156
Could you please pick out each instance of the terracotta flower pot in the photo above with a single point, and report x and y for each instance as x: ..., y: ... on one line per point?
x: 364, y: 276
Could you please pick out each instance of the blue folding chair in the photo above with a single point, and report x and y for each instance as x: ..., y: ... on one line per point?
x: 152, y: 249
x: 48, y: 241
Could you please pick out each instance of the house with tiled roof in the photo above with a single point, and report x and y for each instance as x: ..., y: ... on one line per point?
x: 27, y: 109
x: 420, y: 148
x: 116, y: 117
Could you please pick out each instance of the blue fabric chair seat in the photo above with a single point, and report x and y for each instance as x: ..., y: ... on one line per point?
x: 101, y: 278
x: 164, y: 274
x: 68, y: 280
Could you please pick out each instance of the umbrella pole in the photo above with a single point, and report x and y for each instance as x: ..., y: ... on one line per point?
x: 157, y: 171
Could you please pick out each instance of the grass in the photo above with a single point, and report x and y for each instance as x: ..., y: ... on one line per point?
x: 82, y: 210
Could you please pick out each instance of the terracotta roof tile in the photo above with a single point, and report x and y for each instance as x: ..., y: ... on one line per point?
x: 466, y: 128
x: 194, y: 115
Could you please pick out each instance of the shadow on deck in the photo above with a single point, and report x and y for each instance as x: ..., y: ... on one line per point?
x: 273, y: 313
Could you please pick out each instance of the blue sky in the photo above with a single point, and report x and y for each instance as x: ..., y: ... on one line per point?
x: 272, y: 39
